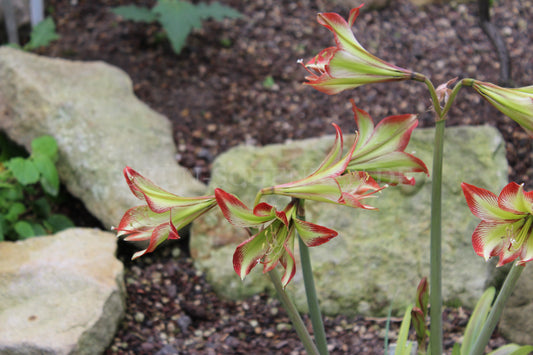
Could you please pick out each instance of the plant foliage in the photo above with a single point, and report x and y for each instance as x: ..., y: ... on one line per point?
x: 177, y: 17
x: 27, y: 186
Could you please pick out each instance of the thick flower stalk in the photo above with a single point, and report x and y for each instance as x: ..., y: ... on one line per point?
x: 517, y: 104
x: 331, y: 182
x: 380, y: 150
x: 348, y: 64
x: 275, y: 232
x: 506, y: 222
x: 163, y: 215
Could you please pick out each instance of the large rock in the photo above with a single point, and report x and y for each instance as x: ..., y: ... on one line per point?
x: 60, y: 294
x: 516, y: 322
x: 379, y: 256
x: 99, y: 125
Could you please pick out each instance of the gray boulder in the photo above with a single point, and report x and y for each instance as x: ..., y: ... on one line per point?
x: 60, y: 294
x: 99, y: 124
x: 379, y: 256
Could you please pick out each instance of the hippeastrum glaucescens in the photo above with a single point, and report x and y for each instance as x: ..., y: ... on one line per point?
x: 517, y: 103
x: 275, y: 232
x: 348, y: 64
x: 162, y: 216
x: 380, y: 150
x: 506, y: 222
x: 331, y: 182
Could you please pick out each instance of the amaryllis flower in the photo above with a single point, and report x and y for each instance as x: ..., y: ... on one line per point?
x: 348, y: 64
x: 517, y: 104
x: 506, y: 222
x: 330, y: 182
x: 163, y: 215
x: 273, y: 241
x: 380, y: 150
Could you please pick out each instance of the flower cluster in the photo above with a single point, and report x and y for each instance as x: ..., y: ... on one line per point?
x: 340, y: 179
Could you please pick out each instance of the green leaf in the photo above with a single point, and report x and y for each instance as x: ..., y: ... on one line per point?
x: 45, y: 145
x: 59, y: 222
x: 269, y: 82
x: 42, y: 207
x: 216, y: 11
x: 513, y: 349
x: 14, y: 211
x: 49, y: 177
x: 456, y: 350
x: 23, y: 170
x: 401, y: 345
x: 3, y: 228
x: 38, y: 230
x: 477, y: 320
x: 24, y: 229
x: 135, y: 13
x: 178, y: 18
x: 42, y: 34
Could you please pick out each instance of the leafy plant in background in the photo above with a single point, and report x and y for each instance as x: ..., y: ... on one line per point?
x: 24, y: 211
x: 41, y: 35
x: 177, y: 17
x: 377, y: 155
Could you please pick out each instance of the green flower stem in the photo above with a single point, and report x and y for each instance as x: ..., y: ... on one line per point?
x: 434, y: 97
x: 310, y: 290
x: 294, y: 316
x: 496, y: 310
x: 435, y: 282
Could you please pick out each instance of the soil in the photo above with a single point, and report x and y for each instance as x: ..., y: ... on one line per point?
x: 237, y: 82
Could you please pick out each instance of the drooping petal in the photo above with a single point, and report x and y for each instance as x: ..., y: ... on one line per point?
x: 157, y: 198
x: 248, y: 254
x: 313, y: 234
x: 287, y: 260
x: 484, y: 204
x: 239, y: 215
x: 158, y: 236
x: 139, y: 221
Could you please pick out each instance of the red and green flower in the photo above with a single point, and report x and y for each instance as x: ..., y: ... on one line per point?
x: 348, y: 65
x: 380, y: 150
x: 506, y: 222
x: 273, y: 235
x: 163, y: 215
x: 517, y: 103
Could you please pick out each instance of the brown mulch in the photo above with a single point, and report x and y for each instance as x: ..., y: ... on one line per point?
x: 216, y: 94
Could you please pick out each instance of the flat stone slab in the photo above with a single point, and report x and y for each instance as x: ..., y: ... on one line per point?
x: 60, y: 294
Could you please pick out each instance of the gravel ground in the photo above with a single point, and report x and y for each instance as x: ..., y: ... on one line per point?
x: 238, y: 82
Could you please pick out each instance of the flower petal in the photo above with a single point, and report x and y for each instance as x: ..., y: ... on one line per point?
x: 157, y: 198
x: 287, y: 260
x: 238, y: 214
x: 158, y: 236
x: 484, y: 204
x: 513, y: 199
x: 248, y: 254
x: 313, y: 234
